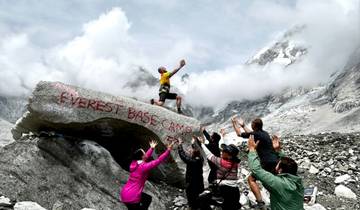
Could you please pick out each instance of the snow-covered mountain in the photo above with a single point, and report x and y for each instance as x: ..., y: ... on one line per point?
x: 284, y: 51
x: 141, y: 77
x: 344, y: 91
x: 334, y: 106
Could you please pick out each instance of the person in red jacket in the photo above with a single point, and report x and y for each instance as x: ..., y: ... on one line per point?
x: 227, y: 176
x: 132, y: 194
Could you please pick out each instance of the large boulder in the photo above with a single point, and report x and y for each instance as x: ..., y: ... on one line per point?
x: 119, y: 124
x: 60, y: 173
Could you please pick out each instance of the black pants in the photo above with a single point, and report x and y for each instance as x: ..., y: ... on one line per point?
x: 143, y: 205
x: 192, y: 195
x: 231, y: 196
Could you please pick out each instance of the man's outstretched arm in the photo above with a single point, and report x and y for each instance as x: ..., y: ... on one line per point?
x: 182, y: 64
x: 235, y: 126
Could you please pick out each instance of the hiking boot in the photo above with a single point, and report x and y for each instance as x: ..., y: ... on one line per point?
x: 259, y: 206
x: 179, y: 111
x: 152, y: 101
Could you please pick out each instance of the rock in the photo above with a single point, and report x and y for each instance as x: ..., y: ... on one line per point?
x: 28, y: 205
x: 343, y: 191
x: 4, y: 200
x: 306, y: 163
x: 313, y: 170
x: 321, y: 166
x: 58, y: 205
x: 180, y: 201
x: 316, y: 206
x: 330, y: 162
x: 342, y: 178
x: 244, y: 172
x: 353, y: 158
x: 340, y: 157
x: 6, y: 203
x: 327, y: 170
x: 119, y: 124
x: 323, y: 174
x: 352, y: 166
x: 72, y: 173
x: 244, y: 200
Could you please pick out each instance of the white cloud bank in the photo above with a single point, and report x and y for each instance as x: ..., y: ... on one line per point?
x: 104, y: 55
x: 331, y: 35
x: 102, y: 58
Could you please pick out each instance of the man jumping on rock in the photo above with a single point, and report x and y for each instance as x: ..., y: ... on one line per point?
x: 164, y: 91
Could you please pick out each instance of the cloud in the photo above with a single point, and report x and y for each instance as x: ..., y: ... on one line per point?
x: 103, y: 58
x: 103, y: 51
x: 331, y: 35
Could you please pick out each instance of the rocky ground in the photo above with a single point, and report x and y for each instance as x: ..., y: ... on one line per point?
x: 329, y: 161
x: 326, y: 161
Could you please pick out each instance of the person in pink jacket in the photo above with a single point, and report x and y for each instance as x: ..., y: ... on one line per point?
x: 132, y: 193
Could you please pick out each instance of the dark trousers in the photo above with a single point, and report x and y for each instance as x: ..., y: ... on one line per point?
x: 230, y: 195
x: 143, y: 205
x: 192, y: 195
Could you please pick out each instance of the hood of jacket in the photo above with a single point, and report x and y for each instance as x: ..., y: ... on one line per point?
x: 133, y: 166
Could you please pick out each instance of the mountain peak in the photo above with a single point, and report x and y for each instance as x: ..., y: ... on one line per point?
x: 284, y: 51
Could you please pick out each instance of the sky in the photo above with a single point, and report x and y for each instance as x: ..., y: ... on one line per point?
x: 97, y: 44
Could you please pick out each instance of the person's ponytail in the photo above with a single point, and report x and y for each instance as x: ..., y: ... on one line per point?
x: 137, y: 155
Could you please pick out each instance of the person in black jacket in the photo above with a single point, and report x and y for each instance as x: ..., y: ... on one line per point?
x: 194, y: 173
x: 214, y: 148
x: 268, y: 156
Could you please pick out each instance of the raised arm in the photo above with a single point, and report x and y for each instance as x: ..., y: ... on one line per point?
x: 206, y: 134
x: 223, y: 133
x: 149, y: 153
x: 210, y: 156
x: 267, y: 178
x: 182, y: 64
x: 152, y: 144
x: 185, y: 157
x: 234, y: 123
x: 246, y: 129
x: 277, y: 146
x: 241, y: 123
x: 152, y: 164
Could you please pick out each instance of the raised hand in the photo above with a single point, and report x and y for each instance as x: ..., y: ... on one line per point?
x: 276, y: 143
x: 200, y: 138
x: 153, y: 143
x: 233, y: 119
x: 241, y: 122
x: 222, y: 132
x: 182, y: 63
x: 251, y: 143
x: 170, y: 146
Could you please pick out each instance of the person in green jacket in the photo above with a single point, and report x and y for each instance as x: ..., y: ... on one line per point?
x: 286, y: 188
